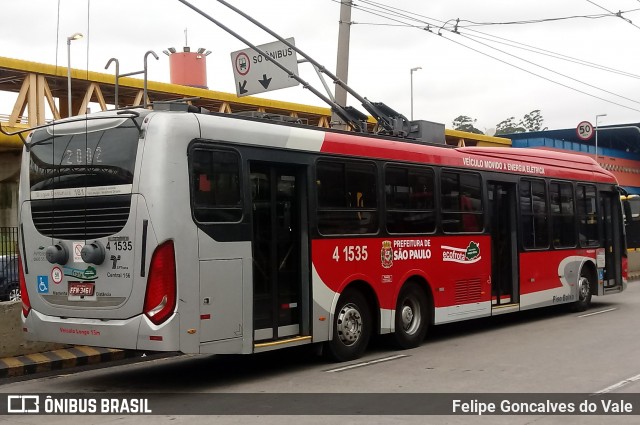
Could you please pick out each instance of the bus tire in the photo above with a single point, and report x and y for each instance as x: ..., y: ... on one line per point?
x: 352, y: 326
x: 584, y: 291
x: 412, y: 317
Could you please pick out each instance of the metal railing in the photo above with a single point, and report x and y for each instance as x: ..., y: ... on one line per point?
x: 9, y: 289
x: 8, y: 241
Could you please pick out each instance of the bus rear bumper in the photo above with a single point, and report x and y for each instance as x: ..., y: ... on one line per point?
x: 136, y: 333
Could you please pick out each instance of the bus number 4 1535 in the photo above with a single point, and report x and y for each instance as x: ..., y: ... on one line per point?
x: 351, y: 253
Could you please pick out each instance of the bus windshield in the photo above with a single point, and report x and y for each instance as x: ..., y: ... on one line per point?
x: 98, y: 158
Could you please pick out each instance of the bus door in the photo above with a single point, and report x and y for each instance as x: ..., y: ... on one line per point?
x: 280, y: 258
x: 610, y: 273
x: 504, y: 252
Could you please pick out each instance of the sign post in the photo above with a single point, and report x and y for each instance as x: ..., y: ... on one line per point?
x: 584, y: 130
x: 256, y: 74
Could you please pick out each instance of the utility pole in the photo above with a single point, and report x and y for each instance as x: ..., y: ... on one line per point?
x: 342, y: 63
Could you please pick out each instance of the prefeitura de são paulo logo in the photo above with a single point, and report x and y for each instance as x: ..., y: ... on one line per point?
x: 386, y: 255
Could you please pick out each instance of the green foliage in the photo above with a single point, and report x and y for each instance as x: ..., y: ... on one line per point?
x: 530, y: 122
x: 509, y: 126
x: 465, y: 123
x: 533, y: 121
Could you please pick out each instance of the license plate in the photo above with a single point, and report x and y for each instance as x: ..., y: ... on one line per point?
x: 81, y: 289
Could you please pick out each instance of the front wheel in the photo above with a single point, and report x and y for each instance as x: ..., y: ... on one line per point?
x: 352, y: 326
x: 412, y: 317
x: 584, y: 291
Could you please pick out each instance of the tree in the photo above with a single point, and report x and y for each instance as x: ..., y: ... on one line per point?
x: 530, y: 122
x: 465, y: 123
x: 533, y: 121
x: 509, y: 126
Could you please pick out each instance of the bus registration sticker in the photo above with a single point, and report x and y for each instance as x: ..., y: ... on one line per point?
x: 82, y: 291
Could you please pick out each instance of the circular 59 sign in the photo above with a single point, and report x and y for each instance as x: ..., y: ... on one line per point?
x: 584, y: 130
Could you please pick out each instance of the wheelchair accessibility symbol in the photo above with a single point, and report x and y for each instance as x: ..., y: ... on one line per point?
x: 43, y: 284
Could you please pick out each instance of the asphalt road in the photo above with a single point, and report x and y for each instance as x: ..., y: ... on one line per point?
x: 548, y: 351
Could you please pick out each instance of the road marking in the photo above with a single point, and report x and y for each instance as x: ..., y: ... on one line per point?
x: 598, y: 312
x: 369, y: 363
x: 619, y: 385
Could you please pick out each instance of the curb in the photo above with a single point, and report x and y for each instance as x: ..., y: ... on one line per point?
x: 60, y: 359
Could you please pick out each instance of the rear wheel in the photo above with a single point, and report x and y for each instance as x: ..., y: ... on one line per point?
x: 352, y: 326
x: 412, y: 317
x: 584, y: 291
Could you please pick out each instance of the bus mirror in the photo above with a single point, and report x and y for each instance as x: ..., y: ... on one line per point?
x: 57, y: 254
x: 93, y: 253
x: 628, y: 217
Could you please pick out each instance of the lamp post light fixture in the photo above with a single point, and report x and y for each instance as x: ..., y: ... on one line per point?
x: 596, y: 131
x: 411, y: 75
x: 76, y: 36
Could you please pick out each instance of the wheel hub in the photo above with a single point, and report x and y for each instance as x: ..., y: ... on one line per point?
x: 407, y: 316
x: 349, y: 324
x: 583, y: 288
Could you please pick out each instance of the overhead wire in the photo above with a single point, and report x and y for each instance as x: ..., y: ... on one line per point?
x: 618, y: 14
x: 384, y: 11
x: 544, y: 52
x: 543, y: 20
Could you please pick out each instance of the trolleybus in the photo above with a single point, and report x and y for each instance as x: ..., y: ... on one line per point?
x: 210, y: 233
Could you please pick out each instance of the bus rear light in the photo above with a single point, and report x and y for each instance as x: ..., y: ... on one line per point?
x: 625, y: 268
x: 160, y: 298
x: 26, y: 304
x: 155, y: 337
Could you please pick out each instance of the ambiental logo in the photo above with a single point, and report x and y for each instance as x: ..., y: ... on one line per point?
x: 468, y: 255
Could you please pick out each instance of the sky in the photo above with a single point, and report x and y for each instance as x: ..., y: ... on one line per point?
x: 484, y: 68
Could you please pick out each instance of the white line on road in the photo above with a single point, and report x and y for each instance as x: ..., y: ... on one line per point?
x: 370, y: 362
x: 598, y: 312
x: 619, y: 385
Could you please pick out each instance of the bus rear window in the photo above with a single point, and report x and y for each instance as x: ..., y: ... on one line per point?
x: 86, y: 159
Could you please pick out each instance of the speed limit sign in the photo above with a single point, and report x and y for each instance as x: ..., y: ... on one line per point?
x: 584, y: 130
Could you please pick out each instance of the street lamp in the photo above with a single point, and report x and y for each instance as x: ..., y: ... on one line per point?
x: 411, y: 74
x: 596, y: 130
x: 76, y: 36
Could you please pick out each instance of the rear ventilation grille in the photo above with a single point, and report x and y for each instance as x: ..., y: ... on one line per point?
x: 468, y: 291
x: 81, y: 218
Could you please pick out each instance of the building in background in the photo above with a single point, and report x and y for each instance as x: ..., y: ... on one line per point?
x: 618, y: 148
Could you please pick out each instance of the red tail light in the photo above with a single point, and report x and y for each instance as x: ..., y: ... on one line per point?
x: 26, y: 304
x: 625, y: 268
x: 160, y: 299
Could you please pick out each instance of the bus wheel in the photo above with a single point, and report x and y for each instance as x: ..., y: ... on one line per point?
x: 412, y: 317
x: 351, y: 327
x: 584, y: 291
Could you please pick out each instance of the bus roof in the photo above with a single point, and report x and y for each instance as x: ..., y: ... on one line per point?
x: 531, y: 162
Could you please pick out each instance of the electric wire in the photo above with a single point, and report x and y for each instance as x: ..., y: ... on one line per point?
x: 436, y: 22
x: 618, y: 14
x: 402, y: 14
x: 543, y: 20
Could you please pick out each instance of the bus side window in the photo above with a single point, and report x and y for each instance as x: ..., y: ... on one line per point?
x: 461, y: 198
x: 409, y: 199
x: 587, y: 216
x: 346, y: 194
x: 534, y: 216
x: 215, y: 180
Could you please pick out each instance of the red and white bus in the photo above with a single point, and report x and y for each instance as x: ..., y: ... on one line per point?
x: 211, y: 233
